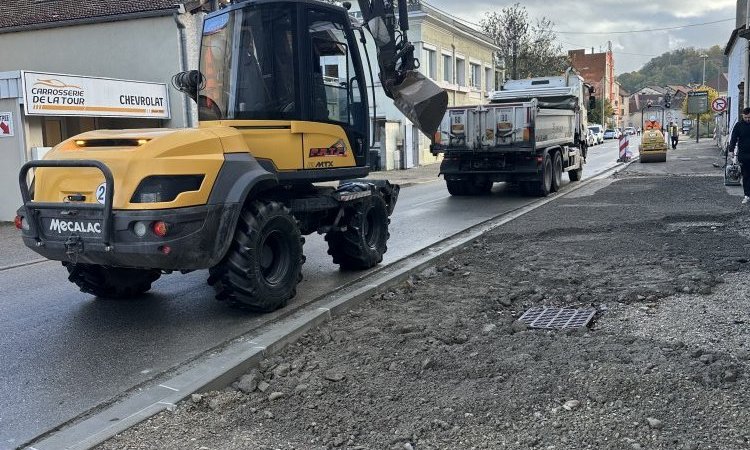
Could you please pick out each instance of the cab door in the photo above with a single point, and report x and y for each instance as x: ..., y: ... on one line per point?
x: 336, y: 103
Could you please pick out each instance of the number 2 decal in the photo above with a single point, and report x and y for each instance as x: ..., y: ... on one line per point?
x: 101, y: 193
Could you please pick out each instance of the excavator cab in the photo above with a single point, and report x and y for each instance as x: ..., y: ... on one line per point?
x: 287, y: 64
x: 270, y: 60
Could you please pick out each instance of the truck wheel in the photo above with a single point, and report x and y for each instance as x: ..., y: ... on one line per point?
x: 363, y: 243
x: 264, y: 262
x: 576, y: 175
x: 482, y: 188
x: 111, y: 282
x: 456, y: 187
x: 543, y: 186
x: 556, y: 172
x: 468, y: 187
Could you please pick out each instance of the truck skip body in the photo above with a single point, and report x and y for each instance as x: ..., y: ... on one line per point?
x: 531, y: 132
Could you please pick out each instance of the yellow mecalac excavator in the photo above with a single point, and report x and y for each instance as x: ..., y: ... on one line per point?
x: 283, y: 103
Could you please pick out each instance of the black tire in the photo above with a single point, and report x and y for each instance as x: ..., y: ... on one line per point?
x: 263, y: 265
x: 461, y: 188
x: 483, y: 187
x: 456, y: 187
x: 576, y: 175
x: 365, y: 239
x: 111, y: 282
x: 556, y: 172
x: 543, y: 186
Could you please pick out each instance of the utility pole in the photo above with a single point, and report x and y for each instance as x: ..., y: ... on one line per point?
x: 704, y: 56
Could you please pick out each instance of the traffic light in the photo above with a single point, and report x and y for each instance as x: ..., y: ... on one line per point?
x: 668, y: 100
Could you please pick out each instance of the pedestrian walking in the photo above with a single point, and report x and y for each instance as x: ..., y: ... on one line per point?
x: 741, y: 140
x: 674, y: 133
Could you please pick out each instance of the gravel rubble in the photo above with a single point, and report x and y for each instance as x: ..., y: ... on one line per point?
x: 442, y: 362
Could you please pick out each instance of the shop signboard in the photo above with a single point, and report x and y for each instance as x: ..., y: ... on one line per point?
x: 6, y: 124
x: 697, y: 102
x: 50, y: 94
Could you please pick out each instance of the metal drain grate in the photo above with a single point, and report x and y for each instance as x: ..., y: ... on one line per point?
x: 557, y: 318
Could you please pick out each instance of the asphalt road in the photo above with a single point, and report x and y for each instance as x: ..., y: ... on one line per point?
x: 65, y: 352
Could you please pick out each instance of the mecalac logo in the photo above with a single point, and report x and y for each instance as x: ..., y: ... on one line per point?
x: 337, y: 149
x: 61, y: 226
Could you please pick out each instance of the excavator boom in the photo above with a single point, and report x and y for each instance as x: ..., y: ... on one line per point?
x: 421, y: 100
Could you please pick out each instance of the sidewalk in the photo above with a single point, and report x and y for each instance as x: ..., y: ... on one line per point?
x: 409, y: 177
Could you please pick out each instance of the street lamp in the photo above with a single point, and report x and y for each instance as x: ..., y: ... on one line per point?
x: 704, y: 56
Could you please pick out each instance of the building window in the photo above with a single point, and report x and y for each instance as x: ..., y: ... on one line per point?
x: 430, y: 62
x: 448, y: 68
x: 475, y: 75
x: 489, y: 79
x: 460, y: 72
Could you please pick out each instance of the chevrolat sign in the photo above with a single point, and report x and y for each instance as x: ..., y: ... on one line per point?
x: 51, y: 94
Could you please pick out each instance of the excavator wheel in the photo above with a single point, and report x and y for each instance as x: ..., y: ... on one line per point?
x: 263, y: 265
x: 362, y: 243
x: 111, y: 282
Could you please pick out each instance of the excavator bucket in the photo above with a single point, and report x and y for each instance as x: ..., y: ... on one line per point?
x: 421, y: 101
x: 417, y: 97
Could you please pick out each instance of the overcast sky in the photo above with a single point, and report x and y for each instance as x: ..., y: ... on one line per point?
x: 631, y: 50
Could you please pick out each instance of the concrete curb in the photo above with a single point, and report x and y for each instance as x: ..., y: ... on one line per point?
x: 222, y: 367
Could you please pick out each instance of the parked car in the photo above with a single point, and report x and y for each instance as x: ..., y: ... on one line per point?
x: 590, y: 138
x: 610, y: 134
x: 598, y: 131
x: 629, y: 131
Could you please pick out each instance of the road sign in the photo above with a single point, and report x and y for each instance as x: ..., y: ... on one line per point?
x: 6, y: 124
x: 697, y: 102
x: 719, y: 105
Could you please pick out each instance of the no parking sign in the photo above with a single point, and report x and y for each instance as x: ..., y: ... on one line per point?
x: 719, y: 105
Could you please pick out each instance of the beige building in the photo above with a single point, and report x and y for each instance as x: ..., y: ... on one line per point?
x: 458, y: 58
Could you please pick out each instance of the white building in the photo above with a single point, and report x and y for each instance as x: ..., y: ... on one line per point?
x: 736, y: 50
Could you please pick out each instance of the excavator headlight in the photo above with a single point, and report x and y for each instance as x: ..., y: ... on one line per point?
x: 165, y: 188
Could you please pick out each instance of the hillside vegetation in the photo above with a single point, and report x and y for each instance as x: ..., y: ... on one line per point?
x: 681, y: 66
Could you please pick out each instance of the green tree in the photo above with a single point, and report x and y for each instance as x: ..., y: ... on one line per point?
x: 682, y: 66
x: 528, y: 50
x: 595, y: 114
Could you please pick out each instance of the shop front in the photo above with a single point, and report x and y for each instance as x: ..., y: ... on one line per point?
x: 39, y: 110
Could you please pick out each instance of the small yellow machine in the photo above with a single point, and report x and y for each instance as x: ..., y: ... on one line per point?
x: 282, y: 103
x: 653, y: 147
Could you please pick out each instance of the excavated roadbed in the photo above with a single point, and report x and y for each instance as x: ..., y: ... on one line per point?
x: 441, y: 362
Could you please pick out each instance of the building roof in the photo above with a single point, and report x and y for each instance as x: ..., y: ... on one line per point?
x: 417, y: 7
x: 21, y: 15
